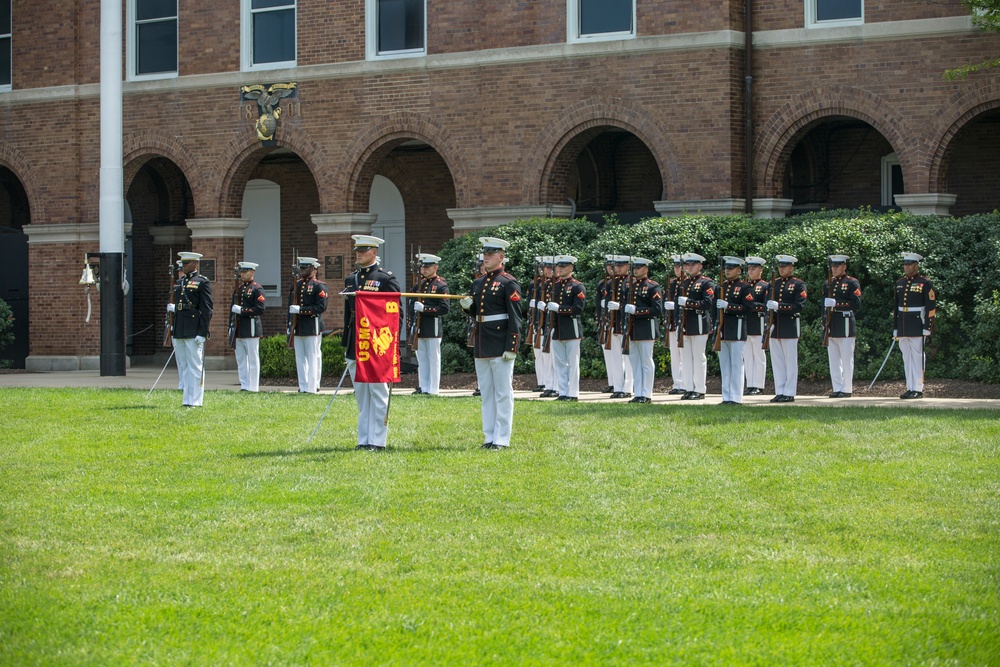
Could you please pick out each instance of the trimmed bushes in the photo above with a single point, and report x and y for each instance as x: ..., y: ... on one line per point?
x: 278, y: 361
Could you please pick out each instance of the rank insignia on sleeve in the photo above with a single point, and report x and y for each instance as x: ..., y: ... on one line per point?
x: 857, y: 292
x: 803, y: 295
x: 581, y: 295
x: 322, y: 295
x: 930, y: 295
x: 260, y: 298
x: 515, y: 296
x: 749, y: 296
x: 710, y: 292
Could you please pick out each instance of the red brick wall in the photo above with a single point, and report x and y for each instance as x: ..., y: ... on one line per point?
x: 974, y: 167
x: 786, y: 14
x: 58, y: 305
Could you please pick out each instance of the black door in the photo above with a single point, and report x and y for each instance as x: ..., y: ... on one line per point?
x: 14, y: 291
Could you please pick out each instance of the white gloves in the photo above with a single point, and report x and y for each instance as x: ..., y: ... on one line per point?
x: 681, y: 300
x: 237, y: 309
x: 722, y: 304
x: 541, y: 305
x: 200, y: 340
x: 509, y: 356
x: 171, y: 308
x: 926, y: 332
x: 418, y: 307
x: 614, y: 305
x: 465, y: 302
x: 531, y: 304
x: 553, y: 306
x: 630, y: 308
x: 772, y: 305
x: 669, y: 305
x: 829, y: 303
x: 895, y: 334
x: 294, y: 310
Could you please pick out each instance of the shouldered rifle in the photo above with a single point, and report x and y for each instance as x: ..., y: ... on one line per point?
x: 413, y: 340
x: 828, y: 312
x: 550, y: 316
x: 233, y: 322
x: 720, y: 315
x: 293, y: 320
x: 633, y: 287
x: 168, y: 323
x: 765, y: 343
x: 470, y: 340
x: 533, y: 316
x: 609, y: 315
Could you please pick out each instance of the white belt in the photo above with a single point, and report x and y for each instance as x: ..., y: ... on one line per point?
x: 491, y: 318
x: 907, y: 309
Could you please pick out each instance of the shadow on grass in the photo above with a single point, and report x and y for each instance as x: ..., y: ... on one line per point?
x: 390, y: 450
x: 131, y: 407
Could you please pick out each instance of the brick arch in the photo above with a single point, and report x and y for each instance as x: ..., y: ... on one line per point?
x: 139, y: 148
x: 579, y: 121
x: 13, y: 159
x: 363, y: 155
x: 781, y: 132
x: 241, y: 156
x: 964, y: 107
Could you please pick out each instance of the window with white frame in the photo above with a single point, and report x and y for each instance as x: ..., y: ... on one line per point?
x: 268, y: 34
x: 588, y: 20
x: 832, y: 13
x: 892, y: 180
x: 396, y: 28
x: 152, y: 38
x: 5, y: 40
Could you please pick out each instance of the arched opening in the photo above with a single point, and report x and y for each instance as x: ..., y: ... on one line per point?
x: 15, y: 213
x: 158, y: 200
x: 604, y: 170
x: 972, y: 162
x: 841, y: 162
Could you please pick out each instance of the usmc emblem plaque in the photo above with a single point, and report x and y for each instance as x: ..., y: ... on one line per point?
x: 268, y: 98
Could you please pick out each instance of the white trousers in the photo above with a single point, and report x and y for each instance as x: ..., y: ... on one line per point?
x: 548, y: 368
x: 676, y: 362
x: 841, y: 353
x: 429, y: 365
x: 755, y: 362
x: 373, y: 405
x: 731, y: 364
x: 566, y: 363
x: 191, y: 357
x: 181, y: 366
x: 640, y: 357
x: 913, y: 362
x: 541, y: 367
x: 309, y: 362
x: 694, y: 363
x: 785, y: 363
x: 248, y: 363
x: 619, y: 368
x: 496, y: 378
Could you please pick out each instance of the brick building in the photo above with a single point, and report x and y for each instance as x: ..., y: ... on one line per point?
x: 419, y: 120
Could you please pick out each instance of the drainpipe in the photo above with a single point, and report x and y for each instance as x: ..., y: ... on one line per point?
x: 748, y: 102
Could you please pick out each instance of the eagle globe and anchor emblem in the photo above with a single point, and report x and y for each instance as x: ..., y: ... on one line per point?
x: 268, y: 98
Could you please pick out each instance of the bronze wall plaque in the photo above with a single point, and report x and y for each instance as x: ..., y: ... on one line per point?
x: 334, y: 267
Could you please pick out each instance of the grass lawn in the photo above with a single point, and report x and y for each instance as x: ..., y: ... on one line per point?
x: 133, y: 531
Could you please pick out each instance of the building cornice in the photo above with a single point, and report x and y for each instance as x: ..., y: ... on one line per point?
x: 717, y: 39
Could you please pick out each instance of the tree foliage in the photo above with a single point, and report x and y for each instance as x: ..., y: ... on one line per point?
x: 986, y: 17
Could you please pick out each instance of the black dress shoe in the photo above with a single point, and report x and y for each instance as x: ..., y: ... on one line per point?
x: 677, y: 391
x: 539, y: 387
x: 687, y: 395
x: 624, y: 394
x: 906, y: 394
x: 778, y: 399
x: 637, y: 399
x: 913, y: 394
x: 476, y: 392
x: 365, y: 447
x: 492, y: 446
x: 488, y: 445
x: 608, y: 389
x: 549, y: 393
x: 787, y: 399
x: 835, y: 394
x: 729, y: 403
x: 569, y: 399
x: 647, y: 399
x: 418, y: 390
x: 754, y: 391
x: 694, y: 396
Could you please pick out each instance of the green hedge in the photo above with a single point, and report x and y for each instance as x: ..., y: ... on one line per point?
x: 962, y: 257
x: 6, y: 329
x: 278, y: 361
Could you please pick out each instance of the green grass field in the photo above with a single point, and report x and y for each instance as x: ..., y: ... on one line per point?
x: 134, y: 531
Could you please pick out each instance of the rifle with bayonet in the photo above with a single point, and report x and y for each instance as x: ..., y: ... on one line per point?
x: 633, y: 287
x: 765, y: 343
x: 293, y: 320
x: 168, y: 323
x: 828, y: 312
x: 233, y: 322
x: 413, y: 339
x: 720, y: 315
x: 549, y: 317
x: 533, y: 315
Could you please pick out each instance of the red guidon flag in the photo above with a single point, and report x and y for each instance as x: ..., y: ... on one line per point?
x: 376, y: 343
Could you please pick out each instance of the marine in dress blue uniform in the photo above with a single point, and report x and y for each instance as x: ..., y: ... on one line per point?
x: 915, y: 306
x: 841, y: 301
x: 601, y: 312
x: 372, y: 397
x: 754, y: 357
x: 696, y: 303
x: 192, y: 308
x: 670, y: 318
x: 643, y: 311
x: 308, y: 301
x: 248, y: 305
x: 429, y: 312
x: 788, y: 296
x: 567, y: 307
x: 494, y: 302
x: 734, y: 303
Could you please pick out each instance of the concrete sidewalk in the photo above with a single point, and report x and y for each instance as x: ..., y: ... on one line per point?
x: 143, y: 377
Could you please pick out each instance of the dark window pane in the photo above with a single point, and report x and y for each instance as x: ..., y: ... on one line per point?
x: 897, y: 181
x: 274, y: 36
x: 597, y: 16
x: 264, y: 4
x: 155, y: 9
x: 5, y: 61
x: 156, y: 49
x: 400, y: 25
x: 833, y: 10
x: 5, y: 18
